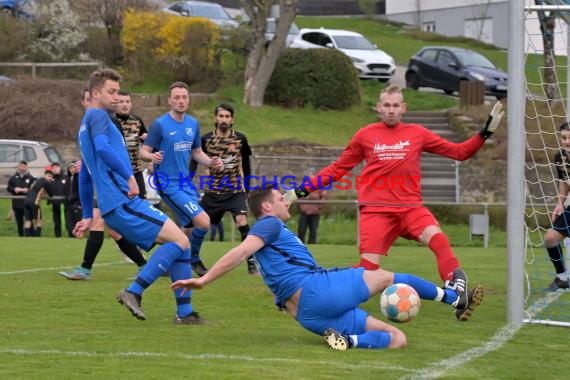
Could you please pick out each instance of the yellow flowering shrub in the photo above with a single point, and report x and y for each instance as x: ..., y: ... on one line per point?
x: 187, y: 46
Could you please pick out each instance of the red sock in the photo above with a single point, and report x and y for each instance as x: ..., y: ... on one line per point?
x: 367, y: 265
x: 446, y: 262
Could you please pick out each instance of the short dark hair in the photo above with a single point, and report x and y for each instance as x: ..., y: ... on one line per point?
x: 98, y: 78
x: 178, y: 84
x: 23, y: 162
x: 257, y: 197
x: 224, y: 106
x: 56, y: 164
x: 47, y: 171
x: 564, y: 127
x: 125, y: 93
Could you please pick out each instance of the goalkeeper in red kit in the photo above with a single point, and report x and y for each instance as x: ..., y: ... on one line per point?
x: 389, y: 190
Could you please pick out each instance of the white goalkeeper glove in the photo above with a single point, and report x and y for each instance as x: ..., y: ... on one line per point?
x: 493, y: 121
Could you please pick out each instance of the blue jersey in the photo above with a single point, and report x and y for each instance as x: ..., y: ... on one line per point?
x: 176, y: 140
x: 284, y: 261
x: 112, y: 189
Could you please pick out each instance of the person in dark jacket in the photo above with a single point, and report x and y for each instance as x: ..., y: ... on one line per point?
x: 72, y: 202
x: 41, y: 189
x: 58, y: 188
x: 19, y: 184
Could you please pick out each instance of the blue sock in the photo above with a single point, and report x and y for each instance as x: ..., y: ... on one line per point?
x: 181, y: 270
x: 196, y: 239
x: 371, y: 339
x: 158, y: 264
x: 426, y: 290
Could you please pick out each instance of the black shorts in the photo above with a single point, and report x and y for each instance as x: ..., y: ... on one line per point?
x: 32, y: 211
x: 562, y: 223
x: 216, y: 205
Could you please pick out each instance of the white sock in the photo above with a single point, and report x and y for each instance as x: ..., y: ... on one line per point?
x: 440, y: 293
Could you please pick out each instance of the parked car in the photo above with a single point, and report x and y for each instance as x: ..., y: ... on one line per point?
x: 272, y: 26
x: 445, y: 67
x: 211, y: 11
x: 37, y: 154
x: 367, y: 58
x: 15, y: 8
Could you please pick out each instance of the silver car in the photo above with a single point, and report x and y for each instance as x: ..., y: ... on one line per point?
x: 37, y: 154
x: 211, y: 11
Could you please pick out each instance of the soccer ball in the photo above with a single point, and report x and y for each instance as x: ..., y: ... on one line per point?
x: 400, y: 303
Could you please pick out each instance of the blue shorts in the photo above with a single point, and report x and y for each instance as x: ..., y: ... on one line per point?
x: 137, y: 221
x: 329, y: 300
x: 184, y: 203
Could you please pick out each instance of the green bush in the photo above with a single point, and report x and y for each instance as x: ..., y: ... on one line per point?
x: 325, y: 78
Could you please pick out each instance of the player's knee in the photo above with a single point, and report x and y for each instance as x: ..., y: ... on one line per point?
x: 182, y: 241
x: 551, y: 239
x: 399, y: 340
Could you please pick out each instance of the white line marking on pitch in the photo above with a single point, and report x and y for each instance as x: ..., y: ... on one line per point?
x: 54, y: 268
x: 200, y: 357
x: 502, y: 336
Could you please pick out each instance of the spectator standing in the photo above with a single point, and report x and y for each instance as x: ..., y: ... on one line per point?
x: 19, y: 184
x: 72, y: 201
x: 58, y: 190
x: 310, y: 213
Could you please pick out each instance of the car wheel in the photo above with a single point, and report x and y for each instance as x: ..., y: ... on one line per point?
x: 448, y: 92
x: 383, y: 80
x: 412, y: 81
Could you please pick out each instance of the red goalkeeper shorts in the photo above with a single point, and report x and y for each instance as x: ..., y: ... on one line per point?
x: 379, y: 230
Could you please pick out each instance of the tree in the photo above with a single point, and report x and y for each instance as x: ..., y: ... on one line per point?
x: 111, y: 14
x: 262, y: 56
x: 58, y: 31
x: 547, y: 23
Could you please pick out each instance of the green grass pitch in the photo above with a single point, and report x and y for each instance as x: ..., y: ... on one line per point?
x: 54, y: 328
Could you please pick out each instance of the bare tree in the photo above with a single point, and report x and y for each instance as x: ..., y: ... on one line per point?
x: 547, y: 24
x: 419, y: 14
x: 262, y: 56
x: 110, y: 13
x: 480, y: 11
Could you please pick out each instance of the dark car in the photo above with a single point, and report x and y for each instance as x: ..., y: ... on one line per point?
x: 445, y: 67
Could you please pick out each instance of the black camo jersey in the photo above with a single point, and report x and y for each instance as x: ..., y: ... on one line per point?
x: 234, y: 151
x: 562, y: 163
x: 132, y: 128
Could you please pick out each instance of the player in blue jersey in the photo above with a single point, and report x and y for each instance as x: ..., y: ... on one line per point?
x: 173, y: 139
x: 108, y: 168
x: 323, y: 301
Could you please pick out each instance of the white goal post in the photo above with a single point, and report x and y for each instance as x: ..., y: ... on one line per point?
x: 532, y: 182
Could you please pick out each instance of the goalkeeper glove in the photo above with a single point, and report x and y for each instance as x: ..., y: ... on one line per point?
x: 292, y: 195
x: 492, y: 121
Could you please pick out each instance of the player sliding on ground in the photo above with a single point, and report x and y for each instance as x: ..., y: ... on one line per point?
x: 324, y: 301
x: 390, y: 198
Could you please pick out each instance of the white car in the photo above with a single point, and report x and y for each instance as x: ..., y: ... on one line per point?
x: 370, y: 61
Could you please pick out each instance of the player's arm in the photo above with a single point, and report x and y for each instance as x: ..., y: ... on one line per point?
x: 563, y: 189
x: 202, y: 158
x: 143, y: 133
x: 86, y: 192
x: 350, y: 157
x: 226, y: 263
x: 150, y: 151
x: 245, y: 158
x: 465, y: 150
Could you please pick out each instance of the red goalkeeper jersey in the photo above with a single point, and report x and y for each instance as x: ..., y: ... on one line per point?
x: 391, y: 174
